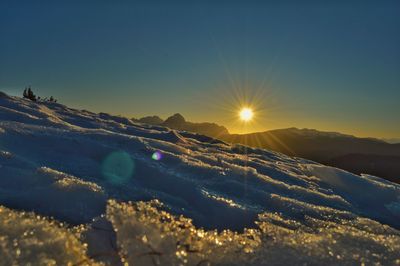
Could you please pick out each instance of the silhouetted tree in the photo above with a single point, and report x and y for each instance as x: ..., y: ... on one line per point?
x: 31, y: 95
x: 28, y: 94
x: 25, y: 94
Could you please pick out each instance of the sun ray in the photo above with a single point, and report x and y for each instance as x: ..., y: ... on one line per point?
x: 246, y: 114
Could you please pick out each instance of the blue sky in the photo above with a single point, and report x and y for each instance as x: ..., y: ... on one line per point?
x: 332, y: 66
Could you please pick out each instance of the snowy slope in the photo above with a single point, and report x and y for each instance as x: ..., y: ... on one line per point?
x: 76, y: 166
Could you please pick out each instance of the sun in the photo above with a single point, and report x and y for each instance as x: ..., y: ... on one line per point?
x: 246, y: 114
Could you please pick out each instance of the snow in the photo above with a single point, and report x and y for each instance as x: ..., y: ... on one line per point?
x: 199, y: 201
x: 26, y: 238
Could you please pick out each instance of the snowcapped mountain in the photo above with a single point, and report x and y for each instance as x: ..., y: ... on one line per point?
x: 124, y: 192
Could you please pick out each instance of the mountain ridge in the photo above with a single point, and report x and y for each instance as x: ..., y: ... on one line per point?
x: 326, y: 147
x: 177, y: 121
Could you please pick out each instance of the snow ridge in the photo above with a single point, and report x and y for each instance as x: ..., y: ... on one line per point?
x: 76, y: 166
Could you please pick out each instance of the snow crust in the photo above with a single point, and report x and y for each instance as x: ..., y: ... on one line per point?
x: 197, y: 202
x: 29, y: 239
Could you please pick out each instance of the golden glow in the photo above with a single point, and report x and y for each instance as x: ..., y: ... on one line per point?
x: 246, y: 114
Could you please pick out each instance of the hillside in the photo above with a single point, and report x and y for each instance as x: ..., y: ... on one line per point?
x: 366, y: 155
x: 328, y: 148
x: 383, y: 166
x: 121, y: 191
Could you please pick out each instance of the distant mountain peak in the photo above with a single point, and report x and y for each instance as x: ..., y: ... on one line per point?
x: 175, y: 119
x: 151, y: 120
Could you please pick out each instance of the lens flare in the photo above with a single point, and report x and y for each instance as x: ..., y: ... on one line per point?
x: 118, y: 167
x: 156, y: 156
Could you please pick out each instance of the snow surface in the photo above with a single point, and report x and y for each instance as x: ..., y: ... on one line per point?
x: 140, y: 194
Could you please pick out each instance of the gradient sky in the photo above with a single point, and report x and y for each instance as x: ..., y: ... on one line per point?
x: 332, y: 67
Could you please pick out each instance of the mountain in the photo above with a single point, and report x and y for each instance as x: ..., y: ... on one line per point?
x: 151, y: 120
x: 329, y: 148
x: 177, y: 121
x: 357, y: 155
x: 392, y: 140
x: 81, y: 188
